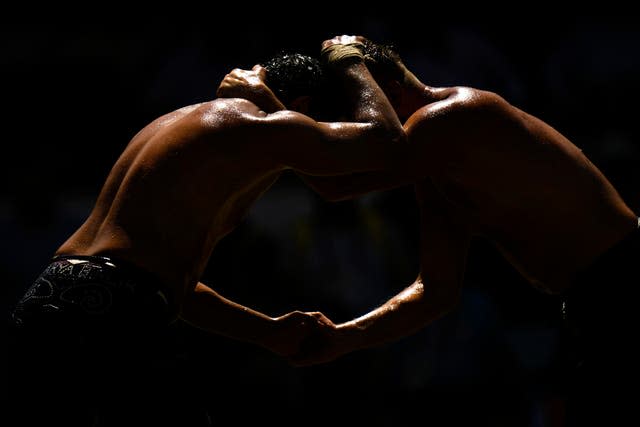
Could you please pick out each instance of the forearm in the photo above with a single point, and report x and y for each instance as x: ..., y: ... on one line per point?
x: 368, y: 103
x: 207, y: 310
x: 401, y: 316
x: 267, y: 101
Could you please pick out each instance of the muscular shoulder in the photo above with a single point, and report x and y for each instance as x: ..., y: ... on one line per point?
x: 455, y: 105
x: 461, y: 98
x: 236, y: 111
x: 229, y: 109
x: 458, y: 116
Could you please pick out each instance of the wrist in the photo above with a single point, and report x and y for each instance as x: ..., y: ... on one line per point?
x: 350, y: 335
x: 339, y: 55
x: 269, y: 333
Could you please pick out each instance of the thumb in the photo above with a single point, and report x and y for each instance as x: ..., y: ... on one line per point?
x: 260, y: 70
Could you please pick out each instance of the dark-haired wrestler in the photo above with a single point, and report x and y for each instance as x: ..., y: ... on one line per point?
x: 483, y: 167
x: 182, y: 183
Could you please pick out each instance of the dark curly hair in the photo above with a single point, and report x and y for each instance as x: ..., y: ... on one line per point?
x: 290, y: 75
x: 382, y: 60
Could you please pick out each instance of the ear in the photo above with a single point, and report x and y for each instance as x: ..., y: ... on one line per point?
x: 300, y: 104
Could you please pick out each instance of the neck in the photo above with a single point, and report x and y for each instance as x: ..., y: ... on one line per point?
x: 417, y: 95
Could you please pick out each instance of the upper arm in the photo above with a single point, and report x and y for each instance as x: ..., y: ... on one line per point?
x: 460, y: 117
x: 316, y: 148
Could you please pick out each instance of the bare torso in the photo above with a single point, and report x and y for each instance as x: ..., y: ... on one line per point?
x: 182, y: 183
x: 521, y: 184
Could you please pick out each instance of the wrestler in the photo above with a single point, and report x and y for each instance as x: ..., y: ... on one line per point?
x: 182, y: 183
x: 484, y: 168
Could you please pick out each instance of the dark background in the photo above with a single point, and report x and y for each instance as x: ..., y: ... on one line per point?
x: 77, y: 88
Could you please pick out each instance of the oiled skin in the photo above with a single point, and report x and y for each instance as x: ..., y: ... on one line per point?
x: 189, y: 177
x: 482, y: 167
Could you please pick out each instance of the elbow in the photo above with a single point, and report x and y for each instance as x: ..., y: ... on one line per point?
x: 331, y: 195
x: 395, y: 144
x: 327, y: 196
x: 399, y: 136
x: 393, y: 134
x: 388, y: 132
x: 336, y: 197
x: 329, y: 188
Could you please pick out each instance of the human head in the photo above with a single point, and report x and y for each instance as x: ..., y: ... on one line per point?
x: 386, y: 66
x: 296, y: 79
x: 383, y: 61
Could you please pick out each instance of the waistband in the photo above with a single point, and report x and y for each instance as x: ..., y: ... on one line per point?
x: 120, y: 267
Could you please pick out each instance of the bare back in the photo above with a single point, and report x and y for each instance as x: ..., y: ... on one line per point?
x: 189, y: 177
x: 182, y: 183
x: 520, y: 183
